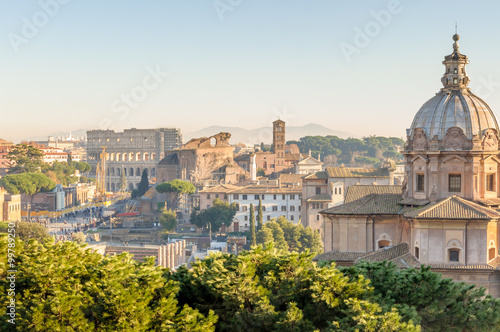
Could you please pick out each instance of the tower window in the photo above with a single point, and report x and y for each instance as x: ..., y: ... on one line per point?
x: 417, y: 252
x: 454, y: 255
x: 454, y: 183
x: 455, y: 81
x: 490, y: 182
x: 455, y: 71
x: 420, y: 182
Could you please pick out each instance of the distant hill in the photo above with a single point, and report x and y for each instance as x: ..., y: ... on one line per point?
x: 265, y: 134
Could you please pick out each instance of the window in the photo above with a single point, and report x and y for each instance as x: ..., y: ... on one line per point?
x: 455, y: 71
x: 274, y: 197
x: 244, y: 208
x: 292, y: 208
x: 244, y: 197
x: 454, y: 255
x: 263, y: 208
x: 317, y: 217
x: 283, y: 208
x: 275, y: 208
x: 283, y: 197
x: 256, y: 197
x: 335, y: 191
x: 268, y: 218
x: 454, y: 183
x: 417, y: 252
x: 263, y: 197
x: 455, y: 81
x: 291, y: 218
x: 292, y: 196
x: 299, y: 208
x: 246, y: 218
x: 237, y: 207
x: 491, y: 253
x: 216, y: 195
x: 208, y: 196
x: 420, y: 182
x: 490, y: 182
x: 225, y: 196
x: 318, y: 190
x: 236, y: 196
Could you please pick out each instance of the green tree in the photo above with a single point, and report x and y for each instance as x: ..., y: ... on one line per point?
x: 278, y: 235
x: 168, y: 221
x: 27, y: 183
x: 425, y: 298
x: 25, y: 158
x: 264, y: 236
x: 253, y: 240
x: 260, y: 216
x: 65, y: 288
x: 27, y: 231
x: 221, y: 213
x: 82, y: 167
x: 144, y: 184
x: 270, y: 290
x: 261, y: 172
x: 123, y: 181
x: 70, y: 159
x: 175, y: 189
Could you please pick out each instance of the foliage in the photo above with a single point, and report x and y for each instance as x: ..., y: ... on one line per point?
x: 123, y: 181
x: 260, y: 172
x: 221, y: 213
x: 347, y: 150
x: 253, y: 240
x: 425, y: 298
x: 64, y: 173
x: 25, y: 158
x: 367, y: 160
x: 176, y: 188
x: 168, y: 220
x: 260, y: 216
x: 79, y: 237
x: 27, y: 231
x: 264, y: 147
x: 144, y: 184
x: 269, y: 290
x: 62, y: 287
x: 26, y: 183
x: 288, y: 236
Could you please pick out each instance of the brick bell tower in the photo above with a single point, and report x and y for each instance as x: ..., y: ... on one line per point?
x: 279, y: 145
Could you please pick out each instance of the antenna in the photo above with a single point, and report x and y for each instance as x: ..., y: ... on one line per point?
x: 456, y: 27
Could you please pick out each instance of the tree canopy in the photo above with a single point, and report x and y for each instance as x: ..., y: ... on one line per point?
x: 221, y: 213
x: 25, y: 158
x: 168, y: 220
x: 373, y: 149
x: 176, y: 188
x: 288, y: 236
x: 26, y: 183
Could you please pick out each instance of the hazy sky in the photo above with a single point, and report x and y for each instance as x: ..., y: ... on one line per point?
x: 364, y: 67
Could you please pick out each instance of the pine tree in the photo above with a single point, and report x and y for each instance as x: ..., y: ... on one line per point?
x: 70, y: 159
x: 123, y: 181
x: 144, y: 184
x: 253, y: 239
x: 260, y: 216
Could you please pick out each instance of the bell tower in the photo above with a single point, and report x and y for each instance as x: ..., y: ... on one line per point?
x: 279, y: 145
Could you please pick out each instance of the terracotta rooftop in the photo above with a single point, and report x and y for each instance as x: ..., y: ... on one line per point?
x: 320, y: 198
x: 453, y: 208
x: 352, y: 172
x: 371, y: 204
x: 340, y: 256
x: 399, y: 254
x: 318, y: 175
x: 356, y: 192
x: 253, y: 189
x: 291, y: 178
x: 221, y: 188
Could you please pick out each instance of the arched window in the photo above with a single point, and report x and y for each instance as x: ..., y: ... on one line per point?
x: 125, y: 171
x: 146, y: 156
x: 138, y: 156
x: 138, y: 172
x: 125, y: 155
x: 131, y: 172
x: 118, y: 172
x: 118, y: 156
x: 131, y: 156
x: 153, y: 156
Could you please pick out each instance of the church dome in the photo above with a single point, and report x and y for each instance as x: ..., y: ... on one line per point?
x: 455, y: 105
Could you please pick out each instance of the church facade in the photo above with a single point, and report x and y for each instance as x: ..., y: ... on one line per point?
x: 448, y: 210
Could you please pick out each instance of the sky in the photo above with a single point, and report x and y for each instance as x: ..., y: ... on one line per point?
x: 363, y: 67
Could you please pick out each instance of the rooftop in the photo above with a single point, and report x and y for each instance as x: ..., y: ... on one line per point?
x: 356, y: 192
x: 356, y: 172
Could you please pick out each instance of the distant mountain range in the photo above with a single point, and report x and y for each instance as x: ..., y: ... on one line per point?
x: 265, y: 134
x: 238, y: 135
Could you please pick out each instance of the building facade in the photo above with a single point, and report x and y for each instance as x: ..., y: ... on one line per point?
x: 131, y: 152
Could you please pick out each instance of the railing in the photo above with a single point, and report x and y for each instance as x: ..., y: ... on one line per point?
x: 58, y: 214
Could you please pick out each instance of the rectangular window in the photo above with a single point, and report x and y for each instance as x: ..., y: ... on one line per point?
x: 263, y: 197
x: 291, y: 218
x: 283, y: 208
x: 256, y: 197
x: 274, y: 197
x: 236, y: 196
x: 318, y: 190
x: 225, y: 196
x: 420, y: 182
x: 292, y: 196
x: 454, y: 255
x: 454, y: 183
x: 317, y: 217
x: 417, y: 252
x: 283, y: 197
x: 292, y: 208
x: 490, y: 182
x: 216, y: 195
x: 244, y: 197
x: 208, y: 196
x: 246, y: 218
x: 268, y: 218
x: 263, y: 208
x: 275, y: 208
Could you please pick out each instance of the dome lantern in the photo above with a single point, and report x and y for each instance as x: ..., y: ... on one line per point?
x: 455, y: 76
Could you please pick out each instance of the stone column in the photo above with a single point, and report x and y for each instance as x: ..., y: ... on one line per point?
x: 160, y: 256
x: 166, y: 257
x: 172, y: 255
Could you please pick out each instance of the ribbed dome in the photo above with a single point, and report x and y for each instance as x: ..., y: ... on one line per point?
x: 455, y: 108
x: 455, y: 105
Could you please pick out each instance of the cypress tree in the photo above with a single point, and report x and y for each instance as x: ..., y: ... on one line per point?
x: 253, y: 239
x: 260, y: 216
x: 144, y: 184
x: 123, y: 181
